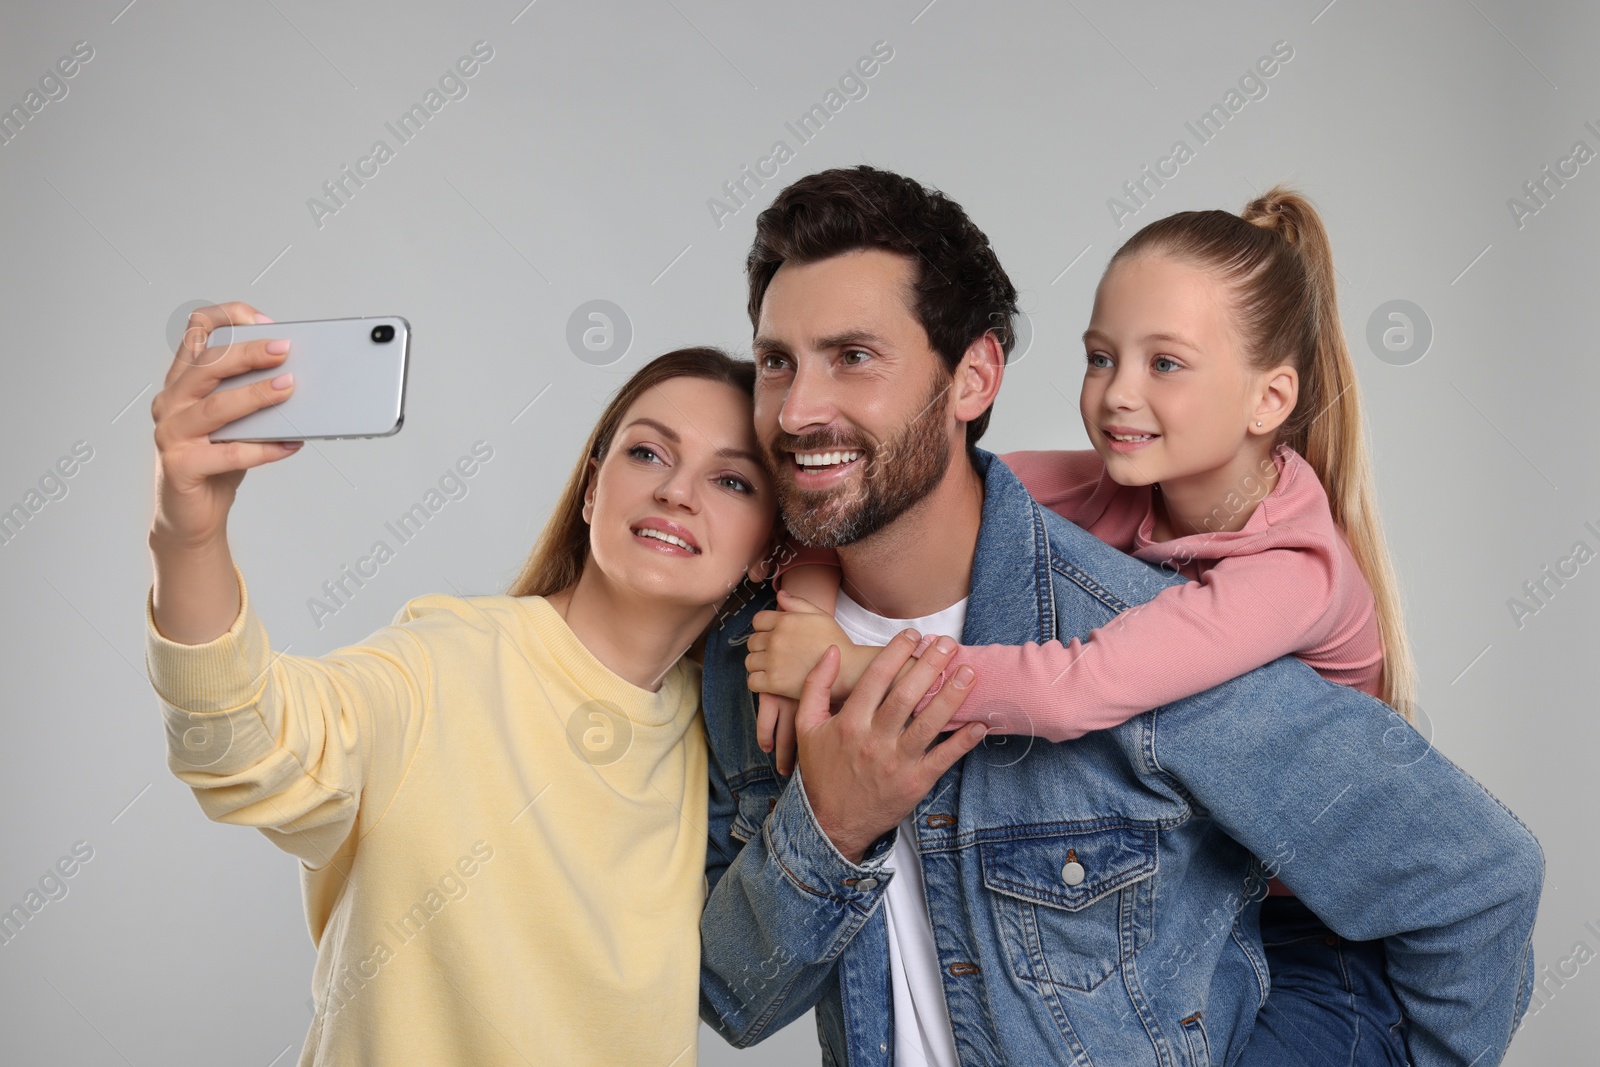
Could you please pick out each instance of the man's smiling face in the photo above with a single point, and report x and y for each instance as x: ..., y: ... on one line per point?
x: 851, y: 404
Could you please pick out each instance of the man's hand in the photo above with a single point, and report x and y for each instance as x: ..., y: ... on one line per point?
x: 868, y: 766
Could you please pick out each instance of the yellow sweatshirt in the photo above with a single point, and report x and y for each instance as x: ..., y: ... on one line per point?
x: 502, y: 842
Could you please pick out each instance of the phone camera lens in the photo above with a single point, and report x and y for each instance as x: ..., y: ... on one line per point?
x: 382, y: 334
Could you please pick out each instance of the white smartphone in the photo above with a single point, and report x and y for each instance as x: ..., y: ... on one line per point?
x: 349, y: 379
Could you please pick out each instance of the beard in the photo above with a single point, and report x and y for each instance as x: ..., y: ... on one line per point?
x: 894, y: 476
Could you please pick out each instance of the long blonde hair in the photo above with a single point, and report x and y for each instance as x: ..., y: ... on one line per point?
x: 559, y: 554
x: 1276, y: 257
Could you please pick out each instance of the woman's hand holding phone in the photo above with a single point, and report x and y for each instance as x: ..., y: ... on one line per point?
x: 196, y: 594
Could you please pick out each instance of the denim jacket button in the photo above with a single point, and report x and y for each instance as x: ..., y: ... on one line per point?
x: 866, y: 885
x: 1072, y: 872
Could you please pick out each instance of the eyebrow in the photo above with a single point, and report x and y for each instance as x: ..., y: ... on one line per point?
x: 1171, y: 337
x: 672, y: 435
x: 851, y: 337
x: 857, y: 336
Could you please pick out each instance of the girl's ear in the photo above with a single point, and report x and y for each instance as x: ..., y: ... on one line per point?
x: 589, y: 484
x: 1280, y: 389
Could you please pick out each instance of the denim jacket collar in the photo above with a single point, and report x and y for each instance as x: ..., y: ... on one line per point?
x: 1011, y: 601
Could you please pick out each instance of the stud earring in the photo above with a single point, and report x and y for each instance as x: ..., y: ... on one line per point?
x: 1258, y: 422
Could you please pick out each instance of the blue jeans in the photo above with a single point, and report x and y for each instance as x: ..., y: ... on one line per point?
x: 1330, y: 1004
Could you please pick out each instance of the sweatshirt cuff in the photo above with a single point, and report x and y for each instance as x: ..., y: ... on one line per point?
x: 219, y: 675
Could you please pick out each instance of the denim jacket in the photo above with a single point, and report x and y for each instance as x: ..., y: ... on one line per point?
x: 1097, y: 901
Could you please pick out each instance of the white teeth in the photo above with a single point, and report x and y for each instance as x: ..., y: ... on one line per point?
x: 825, y: 459
x: 662, y: 535
x: 1131, y: 437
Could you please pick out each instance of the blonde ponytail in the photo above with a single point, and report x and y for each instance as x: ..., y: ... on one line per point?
x: 1327, y: 429
x: 1277, y: 256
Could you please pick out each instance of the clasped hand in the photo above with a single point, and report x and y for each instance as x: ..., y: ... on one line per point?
x: 782, y: 650
x: 867, y: 766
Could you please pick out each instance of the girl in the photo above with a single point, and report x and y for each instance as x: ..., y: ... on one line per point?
x: 1220, y: 399
x: 498, y: 802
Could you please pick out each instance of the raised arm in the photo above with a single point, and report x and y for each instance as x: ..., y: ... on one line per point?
x: 195, y: 597
x: 781, y: 907
x: 790, y: 888
x: 287, y: 744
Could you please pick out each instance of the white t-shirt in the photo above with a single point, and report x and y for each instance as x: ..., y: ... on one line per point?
x: 922, y: 1034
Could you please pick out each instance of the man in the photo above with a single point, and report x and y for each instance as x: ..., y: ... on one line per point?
x: 1026, y: 902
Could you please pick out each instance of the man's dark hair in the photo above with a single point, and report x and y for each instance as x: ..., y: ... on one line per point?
x: 961, y: 291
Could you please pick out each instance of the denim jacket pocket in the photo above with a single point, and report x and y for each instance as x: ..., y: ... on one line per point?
x: 1072, y: 907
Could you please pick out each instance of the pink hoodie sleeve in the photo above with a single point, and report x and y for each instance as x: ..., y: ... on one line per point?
x: 1244, y: 612
x: 1072, y: 484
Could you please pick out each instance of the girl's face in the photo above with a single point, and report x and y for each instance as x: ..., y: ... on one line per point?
x: 1166, y: 392
x: 680, y: 507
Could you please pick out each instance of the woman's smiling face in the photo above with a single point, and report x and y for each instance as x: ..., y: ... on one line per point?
x: 680, y: 507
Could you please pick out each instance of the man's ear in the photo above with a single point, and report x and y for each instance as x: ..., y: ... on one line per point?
x: 591, y: 479
x: 977, y: 377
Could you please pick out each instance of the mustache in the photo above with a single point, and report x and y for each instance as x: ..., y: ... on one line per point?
x: 820, y: 442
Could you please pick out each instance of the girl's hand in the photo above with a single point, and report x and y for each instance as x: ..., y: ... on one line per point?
x: 786, y: 644
x: 775, y: 728
x: 196, y: 480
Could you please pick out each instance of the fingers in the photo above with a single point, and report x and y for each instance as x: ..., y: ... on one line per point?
x: 942, y: 758
x: 197, y: 380
x: 870, y: 691
x: 755, y: 669
x: 815, y: 708
x: 765, y: 620
x: 214, y: 410
x: 894, y: 711
x: 240, y: 455
x: 766, y: 720
x: 931, y: 720
x: 775, y: 729
x: 799, y: 604
x: 193, y: 345
x: 786, y: 741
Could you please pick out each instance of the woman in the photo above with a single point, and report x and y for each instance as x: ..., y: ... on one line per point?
x: 498, y: 802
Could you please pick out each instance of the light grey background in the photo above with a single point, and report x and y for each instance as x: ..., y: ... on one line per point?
x: 578, y: 167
